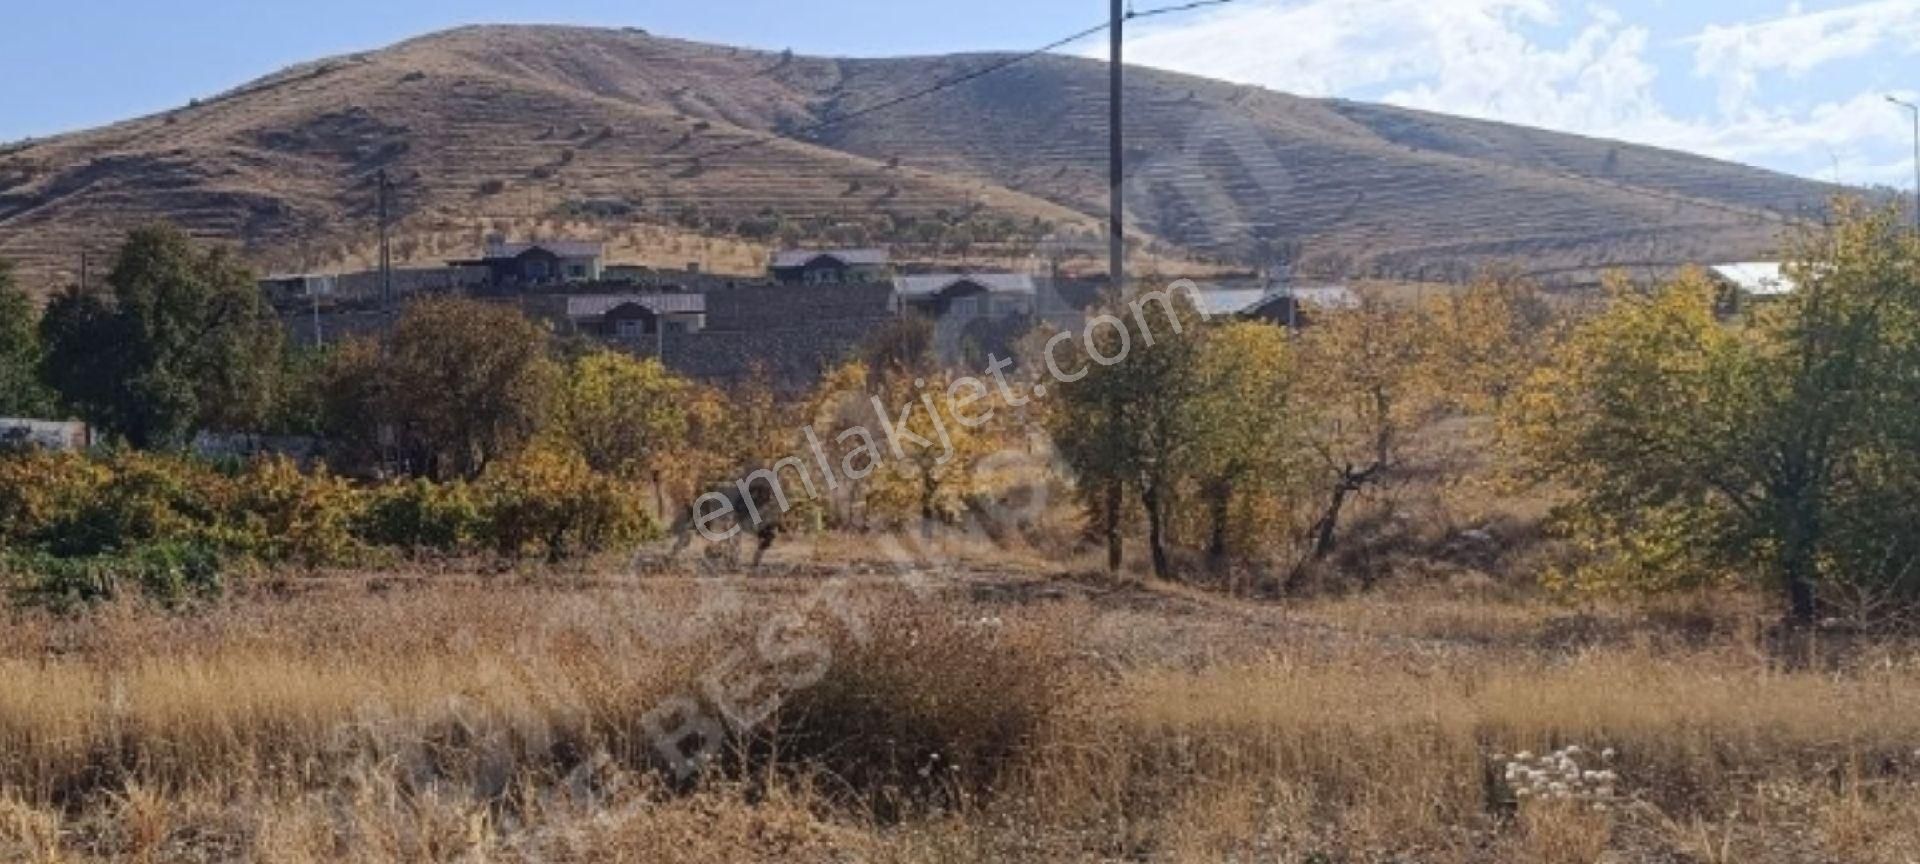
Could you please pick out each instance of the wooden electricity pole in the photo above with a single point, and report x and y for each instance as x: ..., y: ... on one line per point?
x: 386, y: 242
x: 1116, y: 152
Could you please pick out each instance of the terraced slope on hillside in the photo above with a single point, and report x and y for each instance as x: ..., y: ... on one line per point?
x: 586, y: 131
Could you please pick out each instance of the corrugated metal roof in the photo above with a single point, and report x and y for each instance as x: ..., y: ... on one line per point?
x: 598, y: 305
x: 848, y: 257
x: 995, y: 283
x: 1759, y: 278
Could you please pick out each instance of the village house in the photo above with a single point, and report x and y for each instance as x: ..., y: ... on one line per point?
x: 634, y: 316
x: 543, y: 262
x: 966, y: 295
x: 831, y: 267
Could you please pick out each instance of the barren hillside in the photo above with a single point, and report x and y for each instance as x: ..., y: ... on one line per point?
x: 547, y: 129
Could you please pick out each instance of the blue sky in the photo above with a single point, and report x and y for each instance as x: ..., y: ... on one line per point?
x: 1794, y: 86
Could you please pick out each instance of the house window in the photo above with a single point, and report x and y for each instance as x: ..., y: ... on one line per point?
x: 577, y: 271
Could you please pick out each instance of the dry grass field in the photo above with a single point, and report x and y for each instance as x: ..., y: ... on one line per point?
x: 991, y: 707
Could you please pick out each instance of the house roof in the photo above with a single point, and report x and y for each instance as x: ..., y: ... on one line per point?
x: 937, y: 283
x: 1759, y: 278
x: 1232, y: 301
x: 598, y: 305
x: 497, y: 250
x: 849, y: 257
x: 1245, y: 301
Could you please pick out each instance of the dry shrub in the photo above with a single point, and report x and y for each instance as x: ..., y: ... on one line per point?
x: 29, y: 832
x: 932, y: 703
x: 1564, y: 833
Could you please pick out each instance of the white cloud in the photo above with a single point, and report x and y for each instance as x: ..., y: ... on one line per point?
x: 1482, y: 58
x: 1799, y: 42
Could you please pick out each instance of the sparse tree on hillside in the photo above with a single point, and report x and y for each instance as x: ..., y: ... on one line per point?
x: 183, y: 342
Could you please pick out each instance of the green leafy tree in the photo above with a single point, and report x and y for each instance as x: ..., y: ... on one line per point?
x: 182, y: 342
x: 1127, y: 425
x: 1784, y: 447
x: 457, y: 385
x: 21, y: 392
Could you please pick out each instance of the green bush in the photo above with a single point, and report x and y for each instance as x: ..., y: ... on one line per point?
x: 74, y: 529
x: 170, y: 572
x: 140, y: 500
x: 419, y: 515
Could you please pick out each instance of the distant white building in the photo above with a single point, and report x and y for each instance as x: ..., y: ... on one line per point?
x: 1757, y: 278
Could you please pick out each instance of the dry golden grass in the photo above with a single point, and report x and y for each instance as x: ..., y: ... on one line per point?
x: 450, y: 720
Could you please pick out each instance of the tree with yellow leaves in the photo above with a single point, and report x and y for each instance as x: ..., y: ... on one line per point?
x: 1784, y: 447
x: 1366, y: 371
x: 1248, y: 458
x: 625, y: 416
x: 1490, y: 338
x: 937, y: 430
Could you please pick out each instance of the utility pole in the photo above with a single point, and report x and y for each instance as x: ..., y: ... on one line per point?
x: 1915, y: 110
x: 1116, y: 152
x: 386, y: 244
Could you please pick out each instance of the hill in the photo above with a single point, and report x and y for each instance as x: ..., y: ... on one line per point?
x: 679, y: 151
